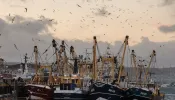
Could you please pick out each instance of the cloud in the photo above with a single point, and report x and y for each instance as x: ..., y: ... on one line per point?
x: 23, y: 0
x: 164, y: 50
x: 168, y: 2
x: 172, y: 37
x: 17, y: 18
x: 25, y: 25
x: 167, y: 29
x: 21, y: 33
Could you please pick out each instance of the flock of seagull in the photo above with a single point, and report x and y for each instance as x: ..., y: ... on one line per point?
x: 102, y: 11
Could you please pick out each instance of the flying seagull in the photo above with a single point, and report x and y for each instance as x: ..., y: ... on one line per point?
x: 26, y: 9
x: 13, y: 19
x: 78, y: 5
x: 51, y: 19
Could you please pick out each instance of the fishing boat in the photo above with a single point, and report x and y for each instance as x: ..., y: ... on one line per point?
x: 72, y: 86
x: 107, y: 86
x: 6, y: 78
x: 40, y: 88
x: 143, y: 90
x: 63, y: 83
x: 23, y: 71
x: 69, y: 89
x: 105, y: 92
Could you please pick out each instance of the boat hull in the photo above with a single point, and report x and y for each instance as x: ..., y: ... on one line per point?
x: 69, y: 96
x: 138, y: 94
x: 102, y: 91
x: 69, y: 91
x: 158, y: 98
x: 40, y: 91
x: 104, y: 96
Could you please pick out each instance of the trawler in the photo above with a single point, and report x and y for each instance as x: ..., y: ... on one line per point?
x: 23, y: 72
x: 143, y: 90
x: 63, y: 84
x: 71, y: 85
x: 5, y: 79
x: 105, y: 87
x: 40, y: 88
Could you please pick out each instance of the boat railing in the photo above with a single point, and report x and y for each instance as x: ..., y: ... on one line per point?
x: 41, y: 83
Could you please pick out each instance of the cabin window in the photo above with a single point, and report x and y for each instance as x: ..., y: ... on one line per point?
x: 73, y: 81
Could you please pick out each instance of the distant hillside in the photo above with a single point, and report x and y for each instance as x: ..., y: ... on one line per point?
x: 162, y: 75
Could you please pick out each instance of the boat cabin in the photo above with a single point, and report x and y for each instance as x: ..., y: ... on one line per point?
x: 70, y: 83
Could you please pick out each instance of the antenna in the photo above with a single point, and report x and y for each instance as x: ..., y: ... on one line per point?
x: 87, y: 53
x: 26, y: 58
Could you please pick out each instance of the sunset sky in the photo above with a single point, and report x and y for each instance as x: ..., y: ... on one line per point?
x: 136, y: 18
x: 152, y: 21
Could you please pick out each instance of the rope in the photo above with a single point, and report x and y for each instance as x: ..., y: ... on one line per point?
x: 51, y: 56
x: 98, y: 50
x: 40, y: 57
x: 131, y: 66
x: 66, y: 47
x: 46, y: 49
x: 120, y: 49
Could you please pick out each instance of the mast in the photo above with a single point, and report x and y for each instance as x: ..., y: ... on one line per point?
x: 73, y: 54
x: 121, y: 69
x: 56, y: 52
x: 94, y: 58
x: 108, y: 58
x: 140, y: 71
x: 135, y: 67
x: 36, y: 78
x: 25, y: 61
x: 147, y: 70
x: 25, y: 58
x: 36, y: 58
x: 65, y: 59
x: 88, y: 65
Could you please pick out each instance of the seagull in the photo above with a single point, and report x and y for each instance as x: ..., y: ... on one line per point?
x: 51, y: 19
x: 13, y: 19
x: 26, y: 9
x: 78, y: 5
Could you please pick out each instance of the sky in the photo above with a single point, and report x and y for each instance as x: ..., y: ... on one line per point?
x: 150, y: 25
